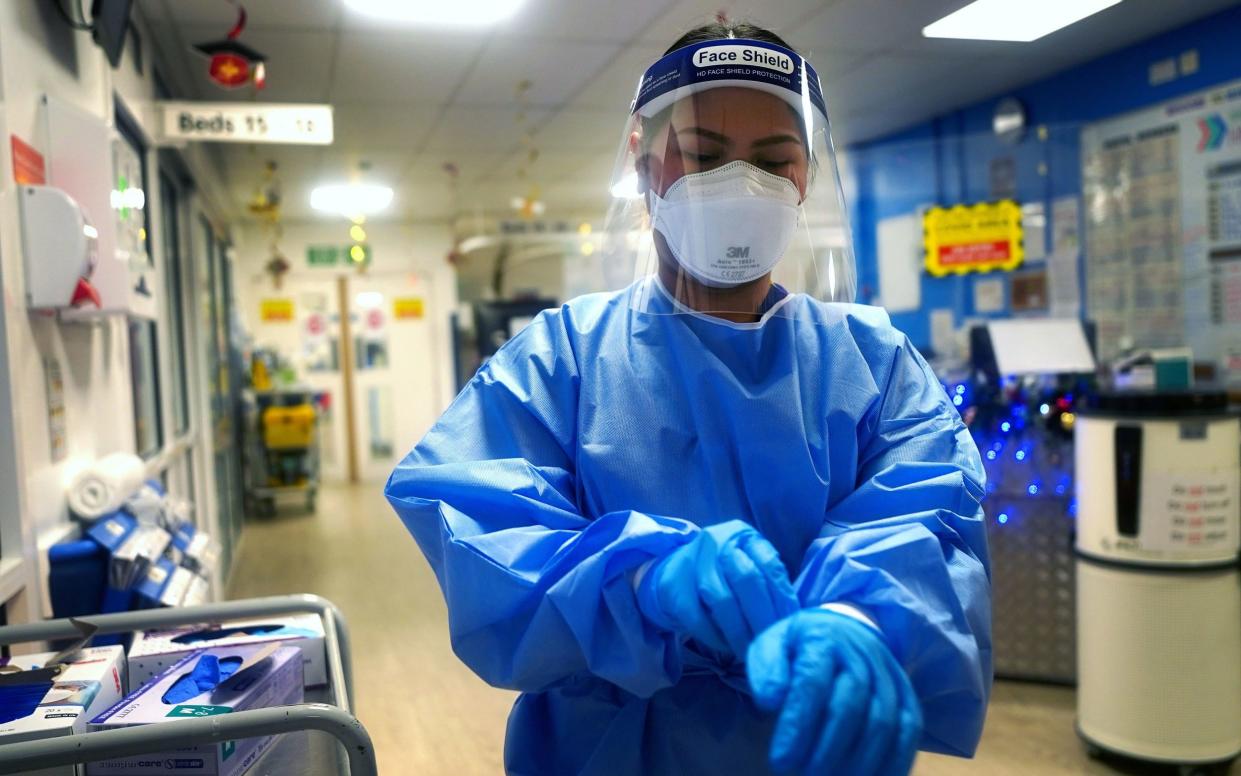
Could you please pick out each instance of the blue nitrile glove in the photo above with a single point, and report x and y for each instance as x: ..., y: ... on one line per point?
x: 208, y: 673
x: 846, y: 705
x: 722, y: 588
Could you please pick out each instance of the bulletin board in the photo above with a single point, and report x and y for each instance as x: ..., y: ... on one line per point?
x: 1161, y: 195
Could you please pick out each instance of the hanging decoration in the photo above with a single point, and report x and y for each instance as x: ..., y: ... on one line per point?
x: 529, y: 204
x: 233, y: 63
x: 455, y: 255
x: 265, y: 202
x: 277, y: 265
x: 264, y: 205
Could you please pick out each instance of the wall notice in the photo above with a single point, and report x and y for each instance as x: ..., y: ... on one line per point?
x: 276, y: 310
x: 973, y: 238
x: 407, y: 308
x: 1162, y: 200
x: 900, y: 276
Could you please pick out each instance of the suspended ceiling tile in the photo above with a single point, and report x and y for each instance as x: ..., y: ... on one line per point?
x: 483, y: 129
x: 549, y: 168
x: 582, y: 129
x: 386, y: 167
x: 554, y: 71
x: 870, y: 24
x: 780, y: 17
x: 614, y: 86
x: 428, y: 167
x: 383, y: 126
x: 402, y: 66
x: 260, y: 14
x: 600, y: 20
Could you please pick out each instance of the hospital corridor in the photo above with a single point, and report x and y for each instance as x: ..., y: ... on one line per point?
x: 599, y: 388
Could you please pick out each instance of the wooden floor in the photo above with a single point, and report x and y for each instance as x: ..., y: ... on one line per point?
x: 428, y: 715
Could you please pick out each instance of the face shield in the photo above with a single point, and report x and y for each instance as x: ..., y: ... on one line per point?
x: 726, y: 198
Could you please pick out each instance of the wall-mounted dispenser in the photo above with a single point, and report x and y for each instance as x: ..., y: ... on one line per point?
x: 86, y: 160
x: 60, y: 245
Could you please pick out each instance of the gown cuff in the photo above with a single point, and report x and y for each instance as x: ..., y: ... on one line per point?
x: 849, y: 610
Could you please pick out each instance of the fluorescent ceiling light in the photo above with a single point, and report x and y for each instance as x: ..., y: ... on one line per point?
x: 445, y: 12
x: 1013, y: 20
x: 351, y: 199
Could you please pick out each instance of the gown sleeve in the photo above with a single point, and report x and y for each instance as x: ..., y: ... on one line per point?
x: 536, y: 591
x: 908, y: 549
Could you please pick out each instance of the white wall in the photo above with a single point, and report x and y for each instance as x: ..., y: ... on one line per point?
x: 40, y: 55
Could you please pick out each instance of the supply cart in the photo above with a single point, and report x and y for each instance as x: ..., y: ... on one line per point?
x: 282, y: 449
x: 320, y: 736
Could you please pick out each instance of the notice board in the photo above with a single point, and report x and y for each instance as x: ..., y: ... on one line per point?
x: 1161, y: 199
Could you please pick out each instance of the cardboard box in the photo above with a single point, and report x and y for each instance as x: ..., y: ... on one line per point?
x: 269, y: 675
x: 155, y: 650
x: 92, y: 681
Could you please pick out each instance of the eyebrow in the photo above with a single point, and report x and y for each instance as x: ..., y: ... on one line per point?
x: 725, y: 140
x: 775, y: 140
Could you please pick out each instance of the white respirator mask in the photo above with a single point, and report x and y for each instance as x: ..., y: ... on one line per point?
x: 727, y: 226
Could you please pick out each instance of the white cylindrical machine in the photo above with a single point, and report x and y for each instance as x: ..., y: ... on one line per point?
x: 1158, y: 584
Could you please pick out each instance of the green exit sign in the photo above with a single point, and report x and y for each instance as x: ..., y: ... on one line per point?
x: 334, y: 255
x: 324, y: 255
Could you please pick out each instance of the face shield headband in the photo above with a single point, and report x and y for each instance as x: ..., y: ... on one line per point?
x: 740, y: 62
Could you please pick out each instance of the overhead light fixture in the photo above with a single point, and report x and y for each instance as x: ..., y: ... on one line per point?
x: 1013, y: 20
x: 474, y: 13
x: 351, y: 200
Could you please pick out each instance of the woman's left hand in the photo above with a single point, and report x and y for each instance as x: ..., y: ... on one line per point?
x: 845, y: 704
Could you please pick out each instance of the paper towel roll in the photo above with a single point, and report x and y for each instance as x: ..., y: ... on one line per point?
x: 103, y: 487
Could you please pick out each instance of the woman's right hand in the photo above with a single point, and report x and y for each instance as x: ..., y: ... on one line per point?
x: 721, y: 589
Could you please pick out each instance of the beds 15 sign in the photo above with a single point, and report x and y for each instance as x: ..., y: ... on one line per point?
x: 247, y: 123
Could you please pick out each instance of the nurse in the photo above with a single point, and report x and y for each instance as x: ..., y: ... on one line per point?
x: 716, y: 520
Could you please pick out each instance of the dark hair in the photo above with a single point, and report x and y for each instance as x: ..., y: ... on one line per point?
x: 726, y: 29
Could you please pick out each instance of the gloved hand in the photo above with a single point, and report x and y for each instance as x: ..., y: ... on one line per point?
x: 846, y: 705
x: 722, y: 588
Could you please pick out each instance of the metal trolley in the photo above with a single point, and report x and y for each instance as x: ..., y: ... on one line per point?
x: 290, y: 469
x: 327, y: 711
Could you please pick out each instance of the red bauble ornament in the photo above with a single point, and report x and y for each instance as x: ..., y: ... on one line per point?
x: 229, y: 70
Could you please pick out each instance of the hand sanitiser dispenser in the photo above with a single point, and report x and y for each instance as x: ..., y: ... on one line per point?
x: 60, y: 247
x: 1158, y: 585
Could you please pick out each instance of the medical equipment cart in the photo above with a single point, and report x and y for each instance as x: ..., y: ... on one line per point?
x: 282, y: 447
x: 327, y: 712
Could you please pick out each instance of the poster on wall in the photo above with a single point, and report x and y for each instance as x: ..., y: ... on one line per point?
x: 973, y: 238
x: 989, y: 295
x: 1162, y: 203
x: 900, y: 278
x: 1064, y: 263
x: 276, y: 310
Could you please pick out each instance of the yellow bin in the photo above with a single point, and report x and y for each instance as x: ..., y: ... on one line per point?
x: 288, y: 427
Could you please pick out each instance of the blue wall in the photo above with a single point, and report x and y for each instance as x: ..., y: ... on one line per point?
x: 948, y: 160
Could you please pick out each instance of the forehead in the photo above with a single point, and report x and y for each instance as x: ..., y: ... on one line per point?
x: 735, y: 106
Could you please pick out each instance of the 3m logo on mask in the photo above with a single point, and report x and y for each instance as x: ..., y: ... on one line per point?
x: 738, y: 252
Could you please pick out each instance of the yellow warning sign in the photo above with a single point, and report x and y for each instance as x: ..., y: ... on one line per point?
x: 973, y: 238
x: 408, y: 308
x: 276, y: 310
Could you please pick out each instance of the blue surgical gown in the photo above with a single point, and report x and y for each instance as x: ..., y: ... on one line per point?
x: 601, y: 437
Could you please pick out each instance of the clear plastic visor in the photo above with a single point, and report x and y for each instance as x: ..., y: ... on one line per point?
x: 726, y: 201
